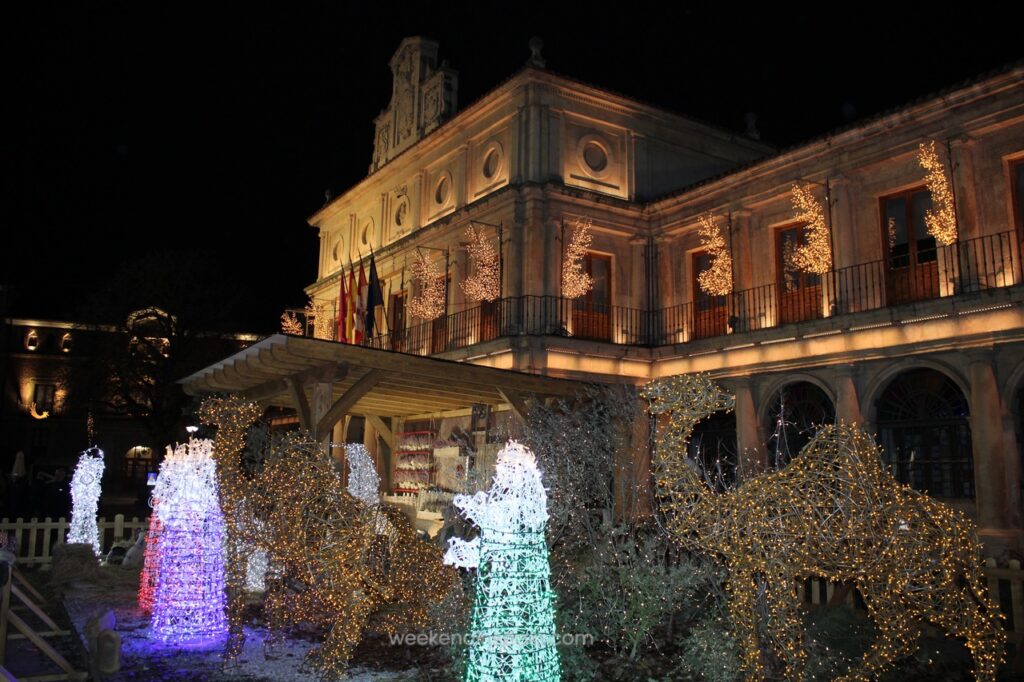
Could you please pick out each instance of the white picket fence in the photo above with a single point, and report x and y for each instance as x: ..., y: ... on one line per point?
x: 34, y: 540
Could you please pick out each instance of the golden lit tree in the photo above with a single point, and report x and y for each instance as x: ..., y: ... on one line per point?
x: 815, y: 254
x: 717, y: 279
x: 941, y: 218
x: 485, y: 283
x: 429, y: 301
x: 576, y: 281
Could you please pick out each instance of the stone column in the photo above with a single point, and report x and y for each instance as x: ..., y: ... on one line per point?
x: 750, y: 451
x: 962, y: 163
x: 743, y: 247
x: 1012, y: 457
x: 990, y: 466
x: 847, y: 400
x: 633, y: 478
x: 322, y: 400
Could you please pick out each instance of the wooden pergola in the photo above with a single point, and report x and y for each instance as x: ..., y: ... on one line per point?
x: 324, y: 381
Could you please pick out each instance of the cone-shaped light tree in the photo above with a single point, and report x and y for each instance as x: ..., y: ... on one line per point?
x: 512, y: 628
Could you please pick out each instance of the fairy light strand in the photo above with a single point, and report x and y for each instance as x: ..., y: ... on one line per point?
x: 576, y: 281
x: 484, y: 283
x: 717, y: 279
x: 85, y: 497
x: 429, y: 301
x: 815, y: 254
x: 512, y: 628
x: 834, y: 512
x: 189, y: 603
x: 941, y: 218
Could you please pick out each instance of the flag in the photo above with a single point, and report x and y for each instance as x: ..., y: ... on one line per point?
x: 350, y: 305
x: 360, y: 321
x: 342, y: 308
x: 374, y: 296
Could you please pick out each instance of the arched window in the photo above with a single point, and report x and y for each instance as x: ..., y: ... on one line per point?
x: 795, y: 413
x: 713, y: 446
x: 137, y: 463
x: 925, y: 432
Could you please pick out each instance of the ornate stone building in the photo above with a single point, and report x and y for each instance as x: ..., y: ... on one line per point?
x: 919, y: 340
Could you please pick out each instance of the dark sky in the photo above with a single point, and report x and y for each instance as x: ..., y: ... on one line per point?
x: 143, y: 126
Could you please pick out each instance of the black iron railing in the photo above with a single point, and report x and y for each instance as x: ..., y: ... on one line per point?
x: 968, y: 266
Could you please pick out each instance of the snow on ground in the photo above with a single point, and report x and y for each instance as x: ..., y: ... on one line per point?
x: 142, y: 659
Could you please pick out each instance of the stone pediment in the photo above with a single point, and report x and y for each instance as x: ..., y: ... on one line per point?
x: 423, y: 96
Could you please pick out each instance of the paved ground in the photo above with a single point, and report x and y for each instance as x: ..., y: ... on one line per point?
x: 142, y: 659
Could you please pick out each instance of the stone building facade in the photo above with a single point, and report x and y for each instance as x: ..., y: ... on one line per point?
x: 919, y: 341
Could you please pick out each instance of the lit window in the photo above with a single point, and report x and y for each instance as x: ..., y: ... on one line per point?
x: 43, y: 397
x: 32, y: 340
x: 66, y: 343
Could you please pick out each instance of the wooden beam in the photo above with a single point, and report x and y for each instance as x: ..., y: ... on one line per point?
x: 329, y: 372
x: 382, y: 429
x: 515, y: 401
x: 347, y: 400
x: 299, y: 402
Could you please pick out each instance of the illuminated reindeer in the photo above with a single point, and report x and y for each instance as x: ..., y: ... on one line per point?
x: 834, y: 512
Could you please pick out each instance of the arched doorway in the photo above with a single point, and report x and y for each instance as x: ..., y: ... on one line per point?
x: 925, y: 433
x: 795, y: 413
x: 713, y: 446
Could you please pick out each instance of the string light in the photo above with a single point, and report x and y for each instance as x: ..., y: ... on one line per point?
x: 717, y: 279
x: 429, y: 301
x: 363, y: 480
x: 189, y: 604
x: 341, y: 562
x: 85, y: 497
x: 941, y: 218
x: 485, y: 283
x: 323, y: 324
x: 815, y: 254
x: 512, y: 628
x: 233, y: 417
x: 290, y: 324
x: 576, y: 281
x: 150, y: 561
x: 833, y: 512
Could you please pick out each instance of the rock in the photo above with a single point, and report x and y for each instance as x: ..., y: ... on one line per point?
x: 75, y: 561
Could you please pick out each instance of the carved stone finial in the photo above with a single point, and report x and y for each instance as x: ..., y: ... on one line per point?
x: 536, y: 60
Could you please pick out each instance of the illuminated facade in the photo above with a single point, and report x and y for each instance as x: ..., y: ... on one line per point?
x: 887, y: 326
x: 46, y: 414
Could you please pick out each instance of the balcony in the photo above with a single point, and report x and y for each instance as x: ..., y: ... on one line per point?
x: 941, y: 273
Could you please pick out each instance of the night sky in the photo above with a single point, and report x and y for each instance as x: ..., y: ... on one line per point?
x: 137, y: 127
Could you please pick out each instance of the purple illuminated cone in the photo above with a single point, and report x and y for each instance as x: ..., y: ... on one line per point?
x: 189, y: 604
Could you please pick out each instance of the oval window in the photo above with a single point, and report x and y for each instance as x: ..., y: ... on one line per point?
x: 442, y: 190
x: 492, y: 163
x: 595, y: 157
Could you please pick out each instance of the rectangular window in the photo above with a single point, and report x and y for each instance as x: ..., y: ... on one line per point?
x: 43, y: 397
x: 1017, y: 187
x: 911, y: 253
x: 591, y: 313
x: 799, y: 291
x: 710, y: 313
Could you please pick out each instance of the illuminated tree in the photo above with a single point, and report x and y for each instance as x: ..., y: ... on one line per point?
x: 512, y: 629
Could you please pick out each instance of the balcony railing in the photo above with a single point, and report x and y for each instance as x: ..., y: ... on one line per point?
x: 968, y: 266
